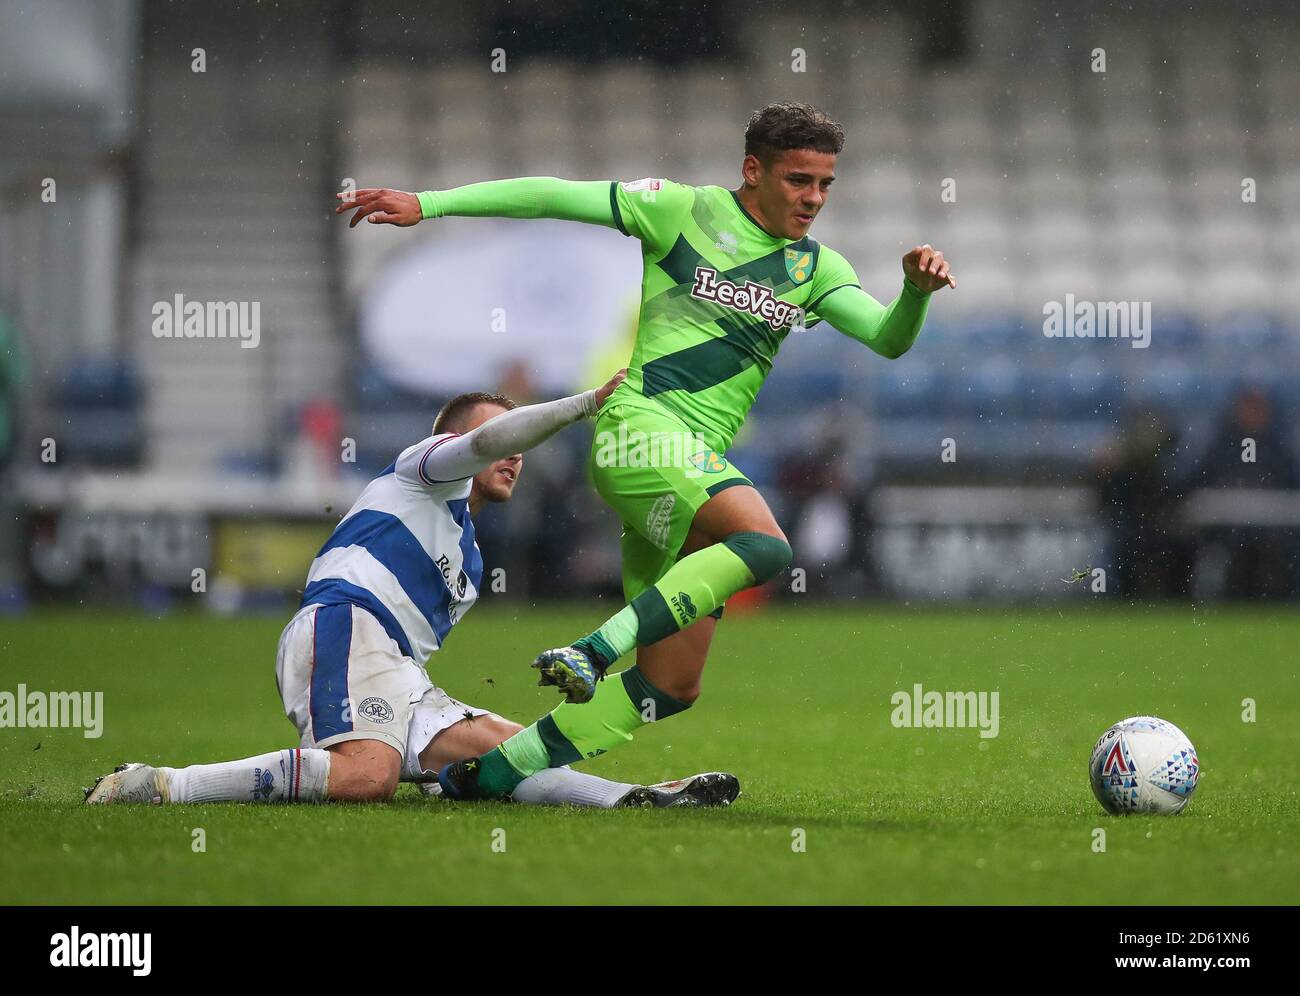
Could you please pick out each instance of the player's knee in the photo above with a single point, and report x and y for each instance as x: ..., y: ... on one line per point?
x: 378, y: 781
x: 766, y: 556
x: 364, y: 774
x: 381, y: 788
x: 671, y: 696
x: 673, y: 693
x: 687, y: 692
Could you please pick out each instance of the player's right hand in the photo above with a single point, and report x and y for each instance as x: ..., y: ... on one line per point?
x: 928, y: 270
x: 380, y: 206
x: 603, y: 393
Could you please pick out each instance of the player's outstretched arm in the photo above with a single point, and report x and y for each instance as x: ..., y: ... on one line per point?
x: 890, y: 330
x: 453, y: 458
x: 525, y: 197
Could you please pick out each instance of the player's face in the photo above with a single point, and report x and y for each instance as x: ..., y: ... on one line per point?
x: 495, y: 483
x: 792, y: 190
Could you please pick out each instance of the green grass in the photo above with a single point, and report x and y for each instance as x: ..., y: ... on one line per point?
x: 796, y: 703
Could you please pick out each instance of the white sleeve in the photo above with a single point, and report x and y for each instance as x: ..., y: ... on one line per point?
x: 411, y: 465
x: 451, y: 457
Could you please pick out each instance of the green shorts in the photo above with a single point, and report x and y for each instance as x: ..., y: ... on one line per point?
x: 655, y: 472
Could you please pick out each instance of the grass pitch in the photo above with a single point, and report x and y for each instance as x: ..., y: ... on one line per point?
x: 796, y: 702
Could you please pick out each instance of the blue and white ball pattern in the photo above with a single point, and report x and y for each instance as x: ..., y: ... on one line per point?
x: 1144, y: 765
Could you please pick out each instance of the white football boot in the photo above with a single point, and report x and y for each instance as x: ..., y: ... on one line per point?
x: 129, y: 783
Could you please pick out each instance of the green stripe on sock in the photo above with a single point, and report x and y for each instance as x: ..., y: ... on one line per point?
x: 529, y: 751
x: 598, y: 646
x: 620, y: 631
x: 497, y: 777
x: 558, y: 748
x: 526, y: 751
x: 639, y: 690
x: 655, y: 618
x: 693, y: 587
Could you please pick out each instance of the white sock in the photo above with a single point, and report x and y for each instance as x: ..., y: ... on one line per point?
x: 566, y: 787
x: 292, y: 775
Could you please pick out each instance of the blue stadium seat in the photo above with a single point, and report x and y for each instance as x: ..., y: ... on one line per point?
x: 993, y: 388
x: 995, y: 332
x: 249, y: 463
x: 99, y: 402
x: 1249, y: 331
x: 1176, y: 329
x: 1083, y: 391
x: 1169, y: 386
x: 102, y: 383
x: 381, y: 436
x: 376, y: 393
x: 903, y: 389
x: 797, y: 390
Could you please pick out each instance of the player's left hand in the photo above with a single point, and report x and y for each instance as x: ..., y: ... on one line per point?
x: 603, y: 393
x: 926, y: 267
x: 380, y: 206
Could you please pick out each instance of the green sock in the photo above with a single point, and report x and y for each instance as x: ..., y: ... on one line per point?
x: 693, y: 587
x: 622, y: 704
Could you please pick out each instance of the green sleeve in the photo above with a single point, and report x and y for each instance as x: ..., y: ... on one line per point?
x: 590, y: 201
x: 652, y: 211
x: 889, y: 331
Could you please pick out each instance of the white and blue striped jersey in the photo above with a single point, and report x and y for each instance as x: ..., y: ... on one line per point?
x: 405, y: 552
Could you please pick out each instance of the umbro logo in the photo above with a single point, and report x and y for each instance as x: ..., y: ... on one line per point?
x: 263, y: 783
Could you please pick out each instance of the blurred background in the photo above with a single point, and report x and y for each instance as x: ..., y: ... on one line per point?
x: 156, y: 154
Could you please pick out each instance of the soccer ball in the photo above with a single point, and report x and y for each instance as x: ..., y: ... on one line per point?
x: 1143, y: 765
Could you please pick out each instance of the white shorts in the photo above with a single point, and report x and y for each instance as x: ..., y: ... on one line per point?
x: 341, y: 677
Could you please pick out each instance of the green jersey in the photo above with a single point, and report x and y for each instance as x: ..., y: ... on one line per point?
x: 718, y: 297
x: 718, y: 293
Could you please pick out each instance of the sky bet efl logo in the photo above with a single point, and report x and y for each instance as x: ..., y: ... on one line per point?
x: 752, y: 298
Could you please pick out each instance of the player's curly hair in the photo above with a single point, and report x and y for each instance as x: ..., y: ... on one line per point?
x: 453, y: 415
x: 791, y: 125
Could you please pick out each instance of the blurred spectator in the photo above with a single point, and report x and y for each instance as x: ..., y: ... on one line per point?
x: 1252, y: 417
x: 531, y: 537
x: 829, y: 518
x: 11, y: 375
x: 1139, y: 494
x: 314, y: 451
x: 1258, y: 561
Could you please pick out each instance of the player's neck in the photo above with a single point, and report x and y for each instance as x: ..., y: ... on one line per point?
x: 475, y: 502
x: 748, y: 199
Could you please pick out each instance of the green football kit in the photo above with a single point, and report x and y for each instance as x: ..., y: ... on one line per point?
x: 719, y: 294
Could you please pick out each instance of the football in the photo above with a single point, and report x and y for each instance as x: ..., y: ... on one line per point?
x: 1144, y: 765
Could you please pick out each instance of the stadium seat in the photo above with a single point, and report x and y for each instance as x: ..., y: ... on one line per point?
x: 908, y: 389
x: 993, y: 388
x: 1083, y: 388
x: 99, y: 403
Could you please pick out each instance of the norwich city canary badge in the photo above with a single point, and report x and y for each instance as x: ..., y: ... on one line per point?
x: 798, y: 264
